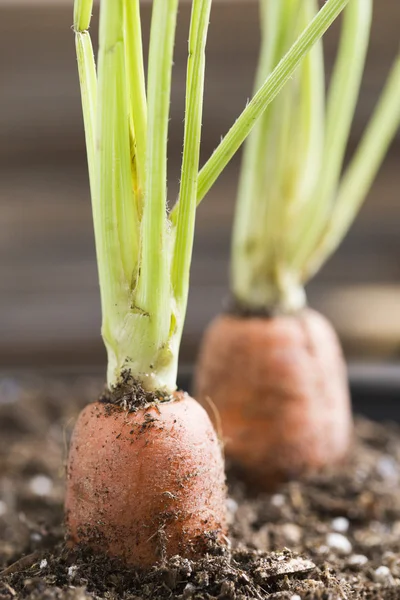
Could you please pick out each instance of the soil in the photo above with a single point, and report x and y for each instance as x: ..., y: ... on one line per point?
x: 236, y: 308
x: 233, y: 306
x: 335, y: 536
x: 130, y: 395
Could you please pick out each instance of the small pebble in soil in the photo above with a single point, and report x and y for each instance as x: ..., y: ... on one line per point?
x: 41, y: 485
x: 357, y: 560
x: 339, y: 542
x: 291, y: 532
x: 383, y: 575
x: 387, y: 468
x: 278, y: 500
x: 231, y: 508
x: 340, y: 524
x: 189, y: 591
x: 43, y: 564
x: 3, y: 508
x: 295, y: 597
x: 231, y: 505
x: 72, y: 571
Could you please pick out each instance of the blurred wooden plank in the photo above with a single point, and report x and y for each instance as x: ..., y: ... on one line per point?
x: 365, y: 316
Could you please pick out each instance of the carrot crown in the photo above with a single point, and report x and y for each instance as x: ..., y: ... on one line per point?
x: 294, y: 204
x: 144, y: 253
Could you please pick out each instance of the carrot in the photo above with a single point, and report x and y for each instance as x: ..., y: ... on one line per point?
x: 280, y: 387
x: 273, y: 368
x: 145, y: 473
x: 164, y: 462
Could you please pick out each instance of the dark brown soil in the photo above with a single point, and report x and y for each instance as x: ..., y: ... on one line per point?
x: 334, y: 537
x: 130, y: 394
x: 233, y: 306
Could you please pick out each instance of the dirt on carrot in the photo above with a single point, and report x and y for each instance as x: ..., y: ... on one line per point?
x: 130, y: 395
x: 333, y: 537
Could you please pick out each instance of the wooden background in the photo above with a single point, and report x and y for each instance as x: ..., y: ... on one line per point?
x: 49, y: 301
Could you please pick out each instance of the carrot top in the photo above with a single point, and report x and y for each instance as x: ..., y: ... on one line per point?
x: 294, y: 204
x: 144, y: 253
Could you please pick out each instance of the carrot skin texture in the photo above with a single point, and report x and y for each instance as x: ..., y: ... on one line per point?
x: 280, y: 386
x: 148, y: 485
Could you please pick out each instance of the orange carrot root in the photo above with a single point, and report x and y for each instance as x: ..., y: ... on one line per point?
x: 280, y: 386
x: 147, y: 485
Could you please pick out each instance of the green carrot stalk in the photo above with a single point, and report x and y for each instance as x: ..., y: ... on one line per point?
x: 361, y: 172
x: 341, y: 104
x: 281, y: 163
x: 294, y: 207
x: 271, y: 87
x: 143, y: 253
x: 137, y: 96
